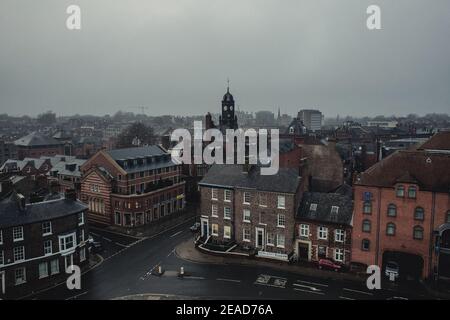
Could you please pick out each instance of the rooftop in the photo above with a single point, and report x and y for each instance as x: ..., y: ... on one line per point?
x: 35, y: 139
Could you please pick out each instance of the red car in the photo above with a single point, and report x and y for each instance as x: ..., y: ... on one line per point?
x: 328, y: 264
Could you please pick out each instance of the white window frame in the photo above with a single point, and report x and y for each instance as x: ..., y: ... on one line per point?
x: 81, y: 236
x: 18, y: 230
x: 244, y: 211
x: 227, y: 195
x: 46, y: 251
x: 53, y: 264
x: 313, y: 207
x: 263, y: 196
x: 45, y: 227
x: 214, y: 210
x: 279, y: 237
x: 22, y: 253
x: 244, y: 238
x: 1, y: 237
x: 214, y: 194
x: 83, y: 254
x: 339, y: 235
x: 225, y: 215
x: 339, y: 252
x: 216, y: 233
x: 81, y: 221
x: 270, y: 239
x: 281, y: 218
x: 226, y: 230
x: 64, y: 237
x: 247, y: 194
x: 45, y: 273
x: 281, y: 202
x: 24, y: 278
x: 320, y: 231
x: 2, y: 258
x: 304, y: 230
x: 334, y: 210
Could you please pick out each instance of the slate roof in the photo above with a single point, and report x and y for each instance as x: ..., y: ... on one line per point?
x: 12, y: 215
x: 431, y: 171
x: 230, y: 176
x: 35, y: 139
x: 324, y: 202
x: 440, y: 141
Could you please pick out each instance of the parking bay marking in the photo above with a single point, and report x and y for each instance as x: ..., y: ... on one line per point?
x: 175, y: 234
x: 313, y: 283
x: 228, y: 280
x: 309, y: 287
x: 358, y: 291
x: 308, y: 291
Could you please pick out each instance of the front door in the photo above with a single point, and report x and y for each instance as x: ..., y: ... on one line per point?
x: 259, y: 238
x: 205, y: 228
x: 303, y: 251
x: 2, y: 282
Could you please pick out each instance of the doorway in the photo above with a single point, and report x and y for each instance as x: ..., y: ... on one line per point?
x: 259, y: 241
x: 205, y: 228
x: 303, y: 251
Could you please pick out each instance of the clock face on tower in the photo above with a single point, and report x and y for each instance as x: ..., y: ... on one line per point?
x: 231, y: 108
x: 225, y: 108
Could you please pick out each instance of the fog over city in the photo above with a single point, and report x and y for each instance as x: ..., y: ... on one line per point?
x: 175, y: 56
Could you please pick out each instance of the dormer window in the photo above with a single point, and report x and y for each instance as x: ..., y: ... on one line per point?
x: 400, y: 192
x: 412, y: 191
x: 313, y: 207
x: 334, y: 209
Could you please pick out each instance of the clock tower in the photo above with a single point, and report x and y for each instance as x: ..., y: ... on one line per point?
x: 228, y: 120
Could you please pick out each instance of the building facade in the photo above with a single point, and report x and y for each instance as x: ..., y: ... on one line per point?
x: 39, y: 241
x: 240, y: 206
x: 132, y: 187
x: 36, y: 145
x: 312, y: 119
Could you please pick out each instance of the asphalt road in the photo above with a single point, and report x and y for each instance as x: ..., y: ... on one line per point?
x: 129, y: 264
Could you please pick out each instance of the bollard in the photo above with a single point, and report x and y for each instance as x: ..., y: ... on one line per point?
x: 182, y: 271
x: 159, y: 270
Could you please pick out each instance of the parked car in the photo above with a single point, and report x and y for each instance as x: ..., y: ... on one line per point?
x: 392, y: 270
x: 195, y: 227
x: 328, y: 264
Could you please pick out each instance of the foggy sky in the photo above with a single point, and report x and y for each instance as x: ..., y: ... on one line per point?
x: 175, y: 56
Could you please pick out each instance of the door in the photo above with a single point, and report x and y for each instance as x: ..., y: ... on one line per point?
x: 259, y: 238
x: 303, y: 251
x: 205, y: 228
x: 2, y: 282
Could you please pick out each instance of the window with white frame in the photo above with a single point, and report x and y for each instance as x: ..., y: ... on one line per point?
x: 46, y: 228
x: 43, y: 270
x: 304, y: 230
x: 270, y: 239
x: 280, y: 240
x: 227, y: 232
x: 19, y: 254
x: 227, y: 213
x: 54, y: 266
x: 339, y: 235
x: 67, y: 242
x: 246, y: 235
x: 334, y: 209
x: 281, y: 202
x: 263, y: 200
x: 20, y: 276
x: 81, y: 218
x: 214, y: 193
x: 322, y: 233
x: 48, y: 247
x: 281, y: 220
x: 82, y: 254
x: 227, y: 195
x: 214, y: 210
x: 246, y: 215
x: 2, y: 258
x: 81, y: 236
x: 339, y: 255
x: 215, y: 229
x: 247, y: 197
x: 313, y: 207
x: 17, y: 233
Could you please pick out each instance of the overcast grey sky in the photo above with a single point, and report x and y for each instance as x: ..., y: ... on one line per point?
x: 174, y: 56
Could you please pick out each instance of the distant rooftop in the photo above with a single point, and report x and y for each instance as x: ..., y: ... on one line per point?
x: 36, y: 139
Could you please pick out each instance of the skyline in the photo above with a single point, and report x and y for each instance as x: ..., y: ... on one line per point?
x: 299, y: 55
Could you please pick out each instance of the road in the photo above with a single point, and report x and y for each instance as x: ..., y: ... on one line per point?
x: 129, y: 265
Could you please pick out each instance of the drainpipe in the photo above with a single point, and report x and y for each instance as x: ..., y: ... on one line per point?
x: 432, y: 237
x: 377, y: 248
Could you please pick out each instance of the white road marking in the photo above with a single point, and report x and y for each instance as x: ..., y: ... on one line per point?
x: 194, y: 278
x: 307, y: 291
x: 170, y: 253
x: 175, y: 234
x: 120, y: 244
x: 346, y: 298
x: 76, y: 296
x: 107, y: 239
x: 313, y: 283
x: 358, y: 291
x: 228, y: 280
x: 95, y: 234
x: 309, y: 287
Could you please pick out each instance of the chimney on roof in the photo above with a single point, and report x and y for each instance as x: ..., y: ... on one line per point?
x: 70, y: 194
x: 21, y: 201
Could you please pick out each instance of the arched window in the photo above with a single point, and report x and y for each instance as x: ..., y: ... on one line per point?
x: 367, y: 207
x: 390, y: 229
x: 400, y: 191
x: 412, y: 191
x: 419, y: 213
x: 366, y: 226
x: 418, y: 233
x: 392, y: 210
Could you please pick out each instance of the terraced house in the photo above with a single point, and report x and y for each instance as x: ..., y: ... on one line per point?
x: 131, y: 187
x: 39, y: 241
x: 255, y: 212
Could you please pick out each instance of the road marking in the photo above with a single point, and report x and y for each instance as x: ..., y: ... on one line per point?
x: 78, y: 295
x: 303, y: 286
x: 170, y: 253
x: 346, y: 298
x: 122, y: 245
x: 175, y: 234
x: 307, y: 291
x: 194, y: 278
x: 228, y: 280
x: 313, y: 283
x: 358, y: 291
x: 107, y: 239
x: 95, y: 234
x: 113, y: 232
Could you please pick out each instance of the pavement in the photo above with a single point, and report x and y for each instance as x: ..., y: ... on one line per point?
x: 129, y: 273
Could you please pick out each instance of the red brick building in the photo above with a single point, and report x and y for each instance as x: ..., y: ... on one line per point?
x: 402, y: 211
x: 240, y: 206
x: 36, y: 145
x: 131, y: 187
